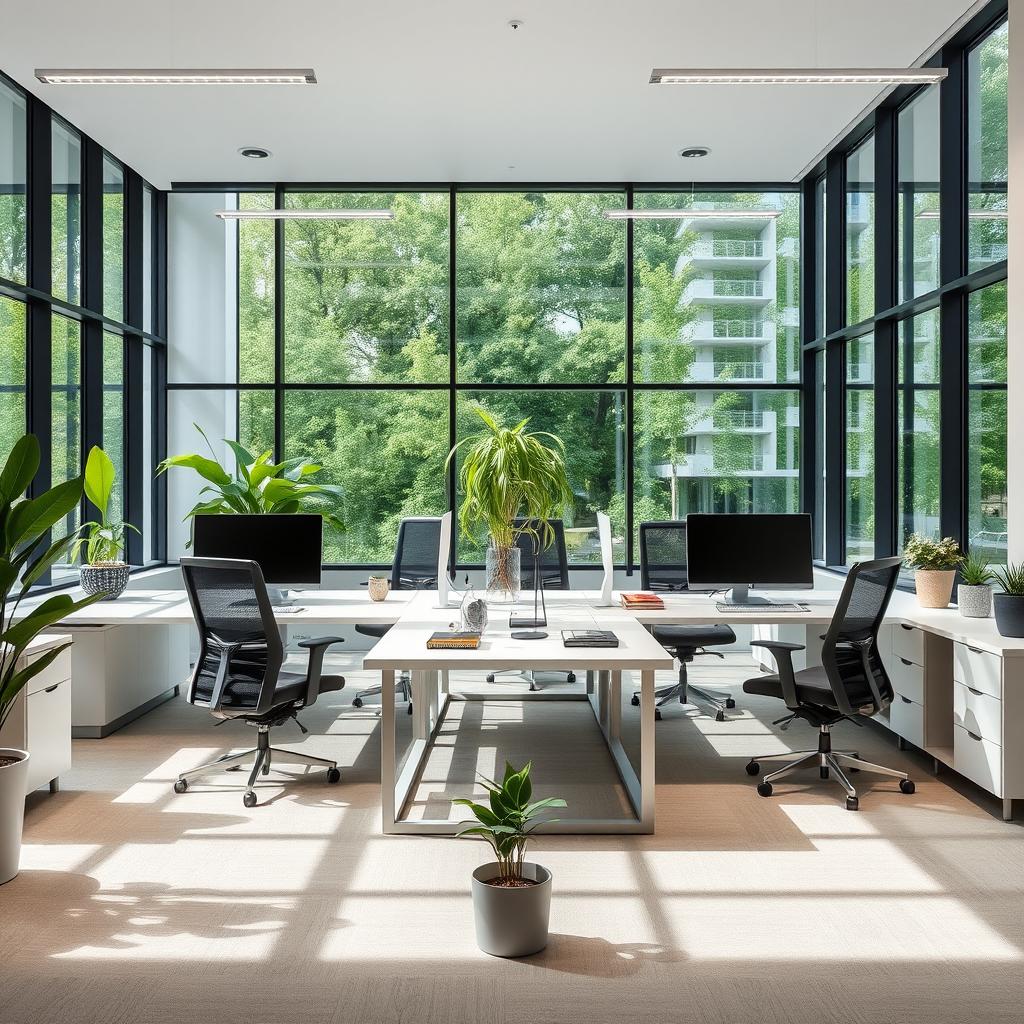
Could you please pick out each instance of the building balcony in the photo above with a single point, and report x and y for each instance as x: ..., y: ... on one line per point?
x: 732, y: 332
x: 726, y: 291
x: 733, y: 421
x: 981, y: 254
x: 714, y: 253
x: 734, y: 373
x: 859, y: 373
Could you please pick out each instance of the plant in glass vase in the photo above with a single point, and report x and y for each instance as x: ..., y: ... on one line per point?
x: 510, y: 473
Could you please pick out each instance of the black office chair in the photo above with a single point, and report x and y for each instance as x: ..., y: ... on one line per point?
x: 663, y: 570
x: 554, y: 575
x: 238, y: 672
x: 851, y: 683
x: 414, y: 568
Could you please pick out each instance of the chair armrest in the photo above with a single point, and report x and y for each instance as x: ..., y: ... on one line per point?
x: 783, y: 651
x: 321, y: 641
x: 777, y: 645
x: 317, y: 647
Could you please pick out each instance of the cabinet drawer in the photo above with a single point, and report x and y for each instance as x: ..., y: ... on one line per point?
x: 978, y: 759
x: 907, y: 678
x: 56, y: 672
x: 978, y: 669
x: 908, y: 643
x: 906, y: 719
x: 48, y: 734
x: 977, y: 712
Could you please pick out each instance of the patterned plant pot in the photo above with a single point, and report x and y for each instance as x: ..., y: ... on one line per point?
x: 934, y: 587
x: 107, y: 578
x: 975, y: 602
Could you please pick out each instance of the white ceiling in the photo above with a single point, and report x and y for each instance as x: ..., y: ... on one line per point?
x: 443, y: 90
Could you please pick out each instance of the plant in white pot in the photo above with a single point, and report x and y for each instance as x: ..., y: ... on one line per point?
x: 511, y: 896
x: 974, y: 594
x: 935, y: 563
x: 25, y: 556
x: 1009, y: 605
x: 103, y: 571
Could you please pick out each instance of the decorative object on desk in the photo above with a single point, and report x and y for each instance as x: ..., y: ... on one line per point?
x: 378, y: 587
x: 1009, y: 605
x: 589, y: 638
x: 974, y: 594
x: 511, y: 897
x: 453, y: 640
x: 509, y: 473
x: 473, y: 612
x: 103, y: 572
x: 23, y: 563
x: 259, y: 485
x: 935, y: 563
x: 526, y: 627
x: 642, y: 600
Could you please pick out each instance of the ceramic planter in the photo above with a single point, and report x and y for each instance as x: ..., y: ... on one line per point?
x: 1009, y: 610
x: 12, y: 810
x: 107, y: 578
x: 512, y: 922
x: 975, y: 602
x: 934, y: 587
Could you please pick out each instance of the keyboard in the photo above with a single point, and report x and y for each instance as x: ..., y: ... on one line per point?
x: 750, y: 609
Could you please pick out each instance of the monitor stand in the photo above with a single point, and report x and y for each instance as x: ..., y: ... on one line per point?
x: 280, y: 597
x: 740, y: 595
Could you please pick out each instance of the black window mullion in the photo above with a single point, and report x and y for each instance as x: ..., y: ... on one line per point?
x: 835, y: 370
x: 279, y: 327
x: 809, y: 214
x: 630, y: 436
x: 38, y: 210
x: 453, y: 370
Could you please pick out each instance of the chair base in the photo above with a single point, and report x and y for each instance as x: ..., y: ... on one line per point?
x: 262, y: 757
x: 715, y: 701
x: 527, y: 675
x: 403, y: 691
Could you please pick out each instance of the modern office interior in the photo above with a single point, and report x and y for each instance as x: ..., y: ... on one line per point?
x: 506, y: 512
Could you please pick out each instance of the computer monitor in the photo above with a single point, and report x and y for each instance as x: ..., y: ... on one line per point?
x: 288, y: 548
x: 740, y: 551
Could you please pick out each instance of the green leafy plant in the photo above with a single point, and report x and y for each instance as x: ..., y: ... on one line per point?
x: 259, y: 485
x: 24, y: 523
x: 510, y: 473
x: 975, y: 571
x: 1011, y: 579
x: 509, y: 821
x: 924, y: 553
x: 104, y: 539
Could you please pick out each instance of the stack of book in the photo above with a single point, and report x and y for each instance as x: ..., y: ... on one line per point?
x: 642, y: 600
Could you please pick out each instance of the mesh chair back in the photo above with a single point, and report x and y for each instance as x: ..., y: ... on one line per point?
x: 416, y: 554
x: 850, y: 647
x: 554, y: 559
x: 663, y: 555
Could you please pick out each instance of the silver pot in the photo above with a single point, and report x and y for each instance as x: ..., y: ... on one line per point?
x: 512, y: 922
x: 975, y: 602
x: 12, y: 810
x: 108, y: 580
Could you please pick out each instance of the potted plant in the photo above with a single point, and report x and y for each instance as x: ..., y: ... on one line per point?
x: 1009, y: 605
x: 259, y: 485
x: 511, y: 896
x: 510, y: 473
x: 935, y: 562
x: 24, y: 558
x: 103, y: 572
x: 974, y: 595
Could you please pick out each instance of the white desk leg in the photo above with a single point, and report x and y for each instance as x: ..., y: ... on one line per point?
x: 613, y: 705
x: 646, y: 750
x: 387, y: 749
x: 421, y: 703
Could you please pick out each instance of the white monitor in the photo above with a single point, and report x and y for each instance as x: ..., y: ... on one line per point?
x: 604, y: 533
x: 444, y: 583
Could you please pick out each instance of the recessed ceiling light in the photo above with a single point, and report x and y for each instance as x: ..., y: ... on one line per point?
x: 745, y: 213
x: 176, y: 76
x: 694, y: 152
x: 299, y: 214
x: 254, y: 152
x: 796, y: 76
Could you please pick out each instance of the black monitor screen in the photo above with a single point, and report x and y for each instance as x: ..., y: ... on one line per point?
x: 760, y: 550
x: 287, y: 547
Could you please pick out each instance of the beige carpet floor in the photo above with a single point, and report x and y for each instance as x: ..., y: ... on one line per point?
x: 138, y: 905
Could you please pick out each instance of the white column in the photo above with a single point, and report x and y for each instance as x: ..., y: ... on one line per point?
x: 1014, y: 295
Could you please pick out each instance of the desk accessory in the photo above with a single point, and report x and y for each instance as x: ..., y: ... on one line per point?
x: 473, y: 613
x: 453, y: 640
x: 589, y: 638
x: 526, y: 628
x: 642, y: 600
x: 378, y: 587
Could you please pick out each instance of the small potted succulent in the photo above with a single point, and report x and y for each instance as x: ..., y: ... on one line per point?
x: 974, y: 594
x: 103, y: 571
x: 935, y: 563
x: 1009, y: 605
x: 511, y: 897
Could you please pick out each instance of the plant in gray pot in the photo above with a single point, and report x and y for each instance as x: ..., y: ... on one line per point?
x: 24, y: 559
x: 974, y: 594
x: 1009, y: 605
x: 511, y: 896
x: 103, y: 571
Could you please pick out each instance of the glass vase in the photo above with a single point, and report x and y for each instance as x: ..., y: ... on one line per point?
x: 504, y: 580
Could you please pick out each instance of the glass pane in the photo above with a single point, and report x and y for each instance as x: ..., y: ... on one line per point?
x: 66, y: 418
x: 13, y: 141
x: 113, y: 239
x: 860, y: 233
x: 860, y: 360
x: 860, y: 475
x: 917, y: 463
x: 819, y: 258
x: 367, y: 300
x: 385, y: 448
x: 987, y: 158
x: 256, y: 421
x: 917, y: 197
x: 987, y: 505
x: 113, y: 416
x: 591, y: 424
x: 12, y: 374
x: 256, y: 292
x: 821, y: 426
x: 917, y: 354
x: 716, y: 298
x: 65, y: 211
x: 541, y: 288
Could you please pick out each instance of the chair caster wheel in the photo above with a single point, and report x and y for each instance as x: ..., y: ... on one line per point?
x: 764, y: 789
x: 234, y: 768
x: 409, y: 709
x: 730, y: 703
x: 823, y: 772
x: 249, y: 799
x: 357, y: 702
x: 635, y: 700
x: 907, y: 786
x: 852, y: 803
x: 720, y: 716
x: 490, y: 677
x: 657, y: 715
x: 181, y: 786
x: 333, y: 775
x: 753, y: 768
x: 571, y: 677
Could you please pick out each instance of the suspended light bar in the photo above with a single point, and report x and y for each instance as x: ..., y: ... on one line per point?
x: 796, y: 76
x: 973, y: 214
x: 746, y: 213
x: 176, y: 76
x: 300, y: 214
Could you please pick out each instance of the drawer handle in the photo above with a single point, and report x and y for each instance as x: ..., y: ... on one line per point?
x: 974, y: 650
x: 906, y: 700
x: 50, y: 689
x: 903, y: 625
x: 977, y: 693
x: 905, y: 662
x: 973, y: 736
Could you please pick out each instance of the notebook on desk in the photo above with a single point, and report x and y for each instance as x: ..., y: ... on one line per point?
x: 589, y: 638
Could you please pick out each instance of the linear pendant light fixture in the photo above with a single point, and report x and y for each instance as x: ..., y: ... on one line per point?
x: 745, y: 213
x: 300, y: 214
x: 797, y: 76
x: 176, y: 76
